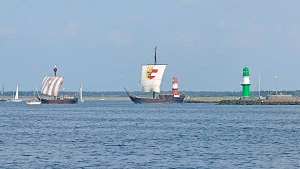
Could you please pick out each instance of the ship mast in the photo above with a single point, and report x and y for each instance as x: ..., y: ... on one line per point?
x: 3, y: 92
x: 154, y: 64
x: 55, y: 70
x: 259, y: 86
x: 155, y: 55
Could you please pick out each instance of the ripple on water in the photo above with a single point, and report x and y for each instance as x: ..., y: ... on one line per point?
x: 119, y: 134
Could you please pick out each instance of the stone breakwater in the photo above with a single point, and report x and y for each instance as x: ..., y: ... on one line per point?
x: 207, y: 99
x: 228, y: 100
x: 271, y: 99
x: 258, y: 102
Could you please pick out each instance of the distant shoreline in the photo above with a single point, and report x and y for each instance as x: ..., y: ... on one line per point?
x: 84, y: 98
x: 122, y: 95
x: 187, y: 99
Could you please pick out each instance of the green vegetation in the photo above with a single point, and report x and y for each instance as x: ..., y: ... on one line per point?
x: 187, y: 93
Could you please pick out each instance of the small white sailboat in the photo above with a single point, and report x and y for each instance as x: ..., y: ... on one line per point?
x: 102, y: 97
x: 34, y: 100
x: 16, y: 99
x: 80, y: 94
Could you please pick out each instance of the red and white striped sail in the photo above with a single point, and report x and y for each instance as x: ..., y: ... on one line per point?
x: 51, y: 84
x: 151, y: 77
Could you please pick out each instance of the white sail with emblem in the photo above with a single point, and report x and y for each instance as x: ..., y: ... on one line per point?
x: 151, y: 77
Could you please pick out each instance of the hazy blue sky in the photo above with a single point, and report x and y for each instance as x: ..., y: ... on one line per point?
x: 103, y: 43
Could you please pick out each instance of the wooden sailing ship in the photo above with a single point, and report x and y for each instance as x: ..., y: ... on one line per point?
x: 50, y: 87
x: 151, y: 77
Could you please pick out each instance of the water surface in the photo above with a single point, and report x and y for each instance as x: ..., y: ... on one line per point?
x: 120, y: 134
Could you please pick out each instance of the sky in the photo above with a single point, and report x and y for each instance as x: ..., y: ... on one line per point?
x: 102, y: 44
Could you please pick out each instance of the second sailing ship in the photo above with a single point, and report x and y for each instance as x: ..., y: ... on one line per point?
x: 50, y: 87
x: 150, y: 81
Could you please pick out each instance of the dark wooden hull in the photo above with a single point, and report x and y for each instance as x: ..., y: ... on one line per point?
x: 58, y: 101
x: 2, y: 100
x: 160, y: 99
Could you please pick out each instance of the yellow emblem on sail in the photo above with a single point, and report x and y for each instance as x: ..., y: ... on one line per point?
x: 151, y: 72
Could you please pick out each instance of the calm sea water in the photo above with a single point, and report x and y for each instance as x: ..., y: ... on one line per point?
x: 120, y: 134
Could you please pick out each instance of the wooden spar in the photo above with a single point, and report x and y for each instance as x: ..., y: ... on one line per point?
x: 154, y: 64
x: 55, y: 70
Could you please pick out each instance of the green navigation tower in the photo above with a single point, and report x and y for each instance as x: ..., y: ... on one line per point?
x: 246, y: 82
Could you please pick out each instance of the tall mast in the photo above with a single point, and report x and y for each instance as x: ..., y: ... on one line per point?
x: 3, y: 92
x: 38, y: 95
x: 154, y: 64
x: 155, y: 55
x: 55, y: 70
x: 259, y: 86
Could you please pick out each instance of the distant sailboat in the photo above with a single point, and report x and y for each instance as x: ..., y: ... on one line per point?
x: 102, y: 97
x: 16, y: 99
x: 35, y: 99
x: 3, y: 94
x: 80, y: 94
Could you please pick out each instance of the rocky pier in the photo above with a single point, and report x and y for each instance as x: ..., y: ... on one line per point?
x: 206, y: 99
x: 257, y: 102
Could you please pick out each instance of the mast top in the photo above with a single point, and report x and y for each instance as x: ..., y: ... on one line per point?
x: 155, y: 55
x: 55, y: 70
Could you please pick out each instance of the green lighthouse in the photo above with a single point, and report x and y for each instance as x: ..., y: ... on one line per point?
x: 246, y: 82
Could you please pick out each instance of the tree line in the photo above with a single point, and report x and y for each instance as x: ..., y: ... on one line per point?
x: 138, y: 93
